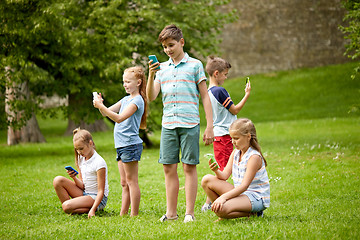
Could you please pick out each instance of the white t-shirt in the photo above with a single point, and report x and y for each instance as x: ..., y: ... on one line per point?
x: 89, y: 170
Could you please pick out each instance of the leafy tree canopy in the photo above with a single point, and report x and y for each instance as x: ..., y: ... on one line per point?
x: 75, y: 47
x: 352, y: 31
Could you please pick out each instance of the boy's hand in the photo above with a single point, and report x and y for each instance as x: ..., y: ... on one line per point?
x: 248, y: 88
x: 208, y: 137
x: 153, y: 67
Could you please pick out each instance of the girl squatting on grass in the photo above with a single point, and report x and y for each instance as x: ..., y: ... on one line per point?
x: 88, y: 193
x: 250, y: 194
x: 129, y: 114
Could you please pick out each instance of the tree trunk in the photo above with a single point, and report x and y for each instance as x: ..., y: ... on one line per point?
x: 30, y: 132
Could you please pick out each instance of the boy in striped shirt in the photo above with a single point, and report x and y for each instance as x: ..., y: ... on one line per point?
x: 181, y: 80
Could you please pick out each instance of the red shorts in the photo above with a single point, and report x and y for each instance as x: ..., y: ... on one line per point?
x: 223, y: 148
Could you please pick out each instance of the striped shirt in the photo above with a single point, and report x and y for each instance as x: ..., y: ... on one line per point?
x: 260, y: 185
x: 180, y: 93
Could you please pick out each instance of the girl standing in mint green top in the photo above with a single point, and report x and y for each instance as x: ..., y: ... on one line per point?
x: 129, y: 114
x: 250, y: 193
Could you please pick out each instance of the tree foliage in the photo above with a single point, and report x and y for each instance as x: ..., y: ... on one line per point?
x: 352, y: 30
x: 75, y: 47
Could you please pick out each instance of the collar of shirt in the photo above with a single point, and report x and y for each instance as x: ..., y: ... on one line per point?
x: 184, y: 60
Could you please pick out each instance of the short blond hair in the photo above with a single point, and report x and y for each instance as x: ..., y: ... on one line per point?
x: 216, y: 63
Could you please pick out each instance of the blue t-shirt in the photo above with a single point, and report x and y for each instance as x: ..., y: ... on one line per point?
x: 126, y: 133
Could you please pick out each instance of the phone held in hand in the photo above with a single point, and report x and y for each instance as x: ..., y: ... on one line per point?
x: 95, y: 95
x: 154, y: 60
x: 247, y: 80
x: 70, y: 168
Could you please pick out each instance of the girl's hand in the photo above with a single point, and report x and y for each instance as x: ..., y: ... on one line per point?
x: 213, y: 166
x: 98, y: 101
x: 91, y: 213
x: 72, y: 174
x: 153, y: 67
x: 217, y: 205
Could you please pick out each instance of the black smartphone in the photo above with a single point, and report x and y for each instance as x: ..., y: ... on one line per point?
x: 70, y: 168
x: 154, y: 60
x: 247, y: 80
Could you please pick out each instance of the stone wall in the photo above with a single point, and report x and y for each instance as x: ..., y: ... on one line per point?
x: 275, y: 35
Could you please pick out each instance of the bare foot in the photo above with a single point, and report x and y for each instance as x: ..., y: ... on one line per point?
x: 219, y: 219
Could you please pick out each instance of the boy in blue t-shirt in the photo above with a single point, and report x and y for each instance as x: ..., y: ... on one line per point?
x: 181, y: 80
x: 224, y: 111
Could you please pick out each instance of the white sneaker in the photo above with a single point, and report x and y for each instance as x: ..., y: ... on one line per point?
x: 189, y: 218
x: 206, y: 207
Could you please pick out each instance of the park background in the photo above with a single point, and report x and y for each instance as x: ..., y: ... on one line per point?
x: 307, y: 119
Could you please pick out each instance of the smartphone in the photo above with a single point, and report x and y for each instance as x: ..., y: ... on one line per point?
x: 154, y: 60
x: 247, y: 80
x: 70, y: 168
x: 95, y: 95
x: 212, y: 160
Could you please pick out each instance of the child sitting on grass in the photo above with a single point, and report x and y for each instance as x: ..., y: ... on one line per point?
x: 88, y: 193
x: 250, y: 193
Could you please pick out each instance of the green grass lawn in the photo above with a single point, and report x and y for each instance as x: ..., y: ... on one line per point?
x: 313, y: 164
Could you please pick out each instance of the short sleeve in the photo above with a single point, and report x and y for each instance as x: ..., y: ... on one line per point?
x: 222, y: 96
x: 200, y: 73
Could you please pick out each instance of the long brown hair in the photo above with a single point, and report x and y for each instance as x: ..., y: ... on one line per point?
x: 85, y: 137
x: 140, y: 74
x: 245, y: 126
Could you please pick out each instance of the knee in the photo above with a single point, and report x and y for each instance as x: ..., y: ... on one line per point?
x: 206, y: 179
x: 124, y: 183
x: 132, y: 180
x: 222, y: 214
x: 58, y: 180
x: 189, y: 169
x: 66, y: 206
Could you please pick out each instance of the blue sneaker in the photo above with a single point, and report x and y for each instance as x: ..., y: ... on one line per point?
x: 260, y: 214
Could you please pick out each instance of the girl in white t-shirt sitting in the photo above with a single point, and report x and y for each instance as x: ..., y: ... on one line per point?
x: 88, y: 193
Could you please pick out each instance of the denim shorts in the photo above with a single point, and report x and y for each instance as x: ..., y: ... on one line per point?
x: 93, y: 196
x: 257, y: 203
x: 174, y: 140
x: 129, y: 153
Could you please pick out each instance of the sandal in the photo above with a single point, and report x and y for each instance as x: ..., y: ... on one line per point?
x: 165, y: 218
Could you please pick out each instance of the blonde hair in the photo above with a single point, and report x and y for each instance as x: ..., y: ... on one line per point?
x: 216, y: 63
x: 140, y: 74
x: 85, y: 137
x: 245, y: 126
x: 170, y: 31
